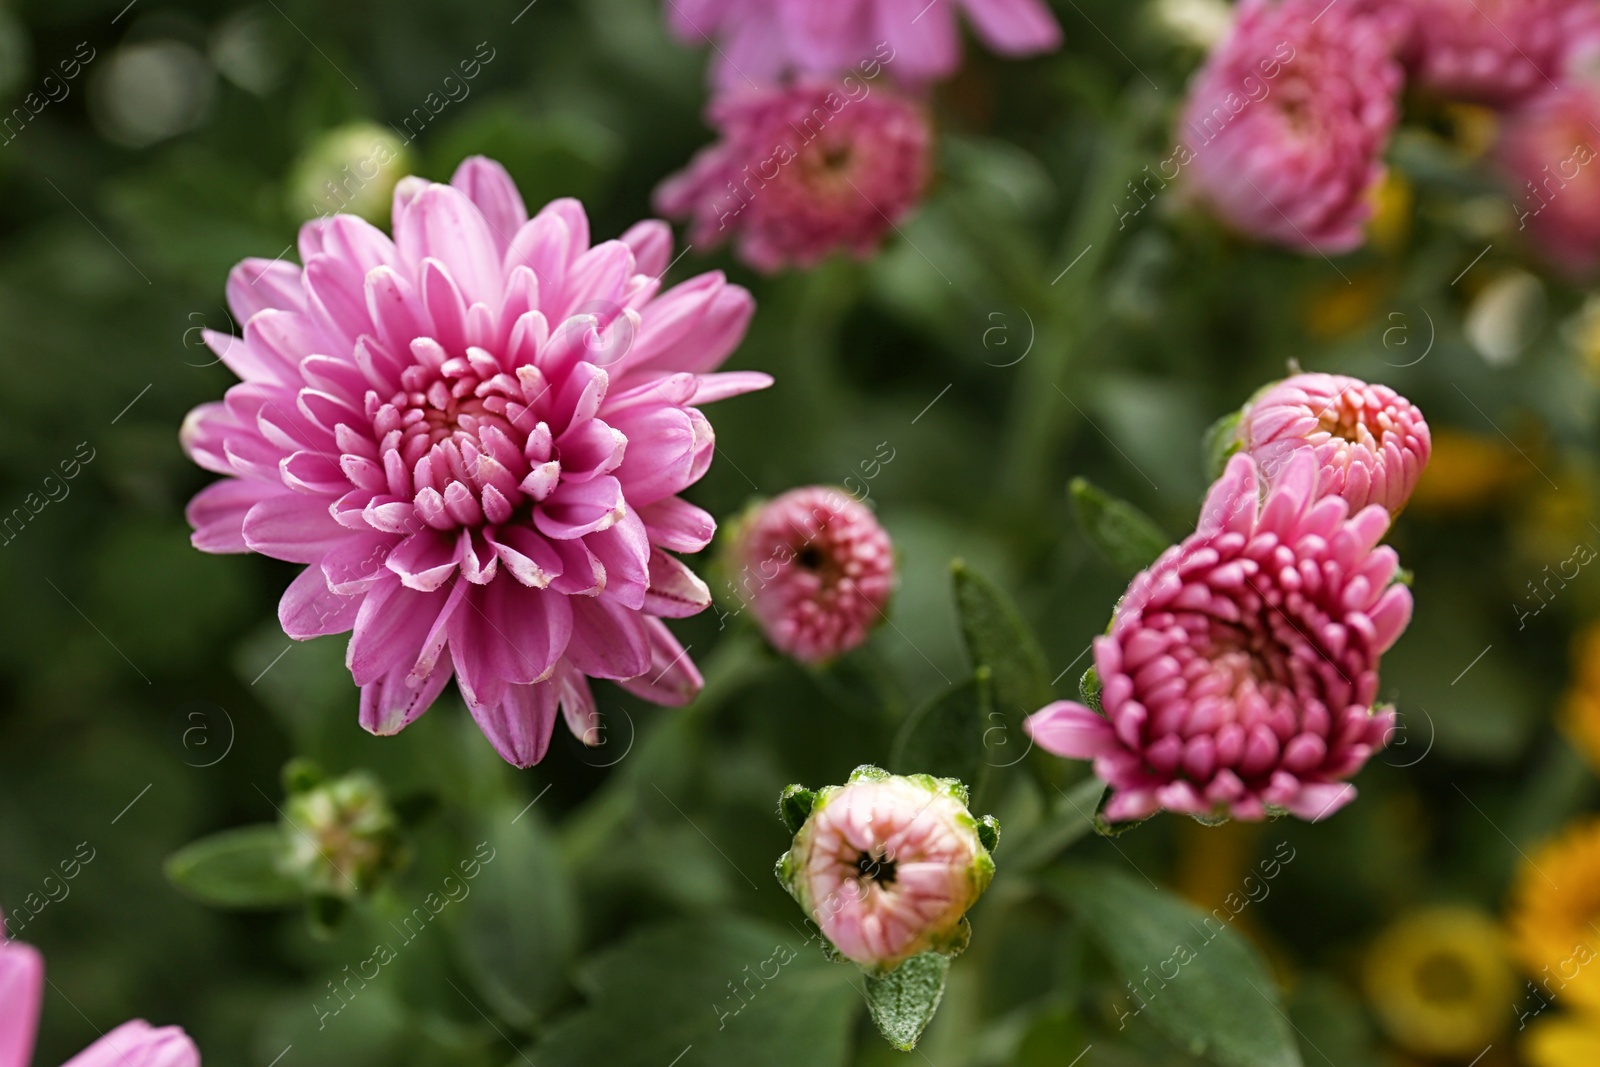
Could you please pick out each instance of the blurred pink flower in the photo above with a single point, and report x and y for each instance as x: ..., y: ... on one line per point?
x: 887, y: 866
x: 1371, y: 444
x: 1551, y: 150
x: 1285, y: 124
x: 474, y: 435
x: 1498, y: 52
x: 802, y: 172
x: 760, y: 42
x: 816, y: 570
x: 133, y: 1044
x: 1239, y: 673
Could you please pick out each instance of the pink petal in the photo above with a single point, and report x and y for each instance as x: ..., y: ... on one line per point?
x: 217, y: 513
x: 21, y: 989
x: 675, y: 592
x: 310, y: 609
x: 1014, y: 27
x: 677, y: 525
x: 138, y: 1044
x: 261, y: 284
x: 651, y: 241
x: 293, y: 527
x: 507, y: 634
x: 441, y: 223
x: 520, y: 723
x: 391, y: 703
x: 486, y: 183
x: 671, y: 678
x: 608, y: 640
x: 1072, y: 730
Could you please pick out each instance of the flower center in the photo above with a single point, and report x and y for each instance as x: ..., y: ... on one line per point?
x: 875, y: 869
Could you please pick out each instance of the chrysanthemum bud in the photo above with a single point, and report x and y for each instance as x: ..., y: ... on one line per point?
x: 887, y: 865
x: 340, y: 836
x: 1370, y: 442
x: 815, y: 569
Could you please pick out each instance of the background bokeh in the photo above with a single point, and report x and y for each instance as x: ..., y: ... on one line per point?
x: 1033, y: 322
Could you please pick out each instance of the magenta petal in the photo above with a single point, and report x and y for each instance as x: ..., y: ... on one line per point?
x: 390, y: 628
x: 218, y: 511
x: 671, y: 679
x: 675, y: 591
x: 487, y: 185
x: 1318, y: 800
x: 426, y: 560
x: 21, y: 988
x: 577, y: 704
x: 1072, y: 730
x: 651, y: 242
x: 608, y: 640
x: 677, y: 525
x: 1015, y: 27
x: 391, y: 703
x: 507, y: 634
x: 714, y: 387
x: 262, y: 284
x: 310, y: 609
x: 292, y: 527
x: 443, y: 224
x: 520, y: 723
x: 138, y: 1044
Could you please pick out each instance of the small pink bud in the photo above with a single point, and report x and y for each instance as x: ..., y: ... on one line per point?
x: 1370, y: 442
x: 887, y: 866
x: 816, y: 570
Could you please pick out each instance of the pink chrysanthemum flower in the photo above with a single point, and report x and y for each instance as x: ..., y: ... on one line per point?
x: 887, y: 866
x: 1285, y: 125
x: 761, y: 42
x: 133, y: 1044
x: 1498, y: 52
x: 1371, y: 444
x: 815, y: 569
x: 474, y: 435
x: 1551, y: 150
x: 802, y: 172
x: 1239, y: 673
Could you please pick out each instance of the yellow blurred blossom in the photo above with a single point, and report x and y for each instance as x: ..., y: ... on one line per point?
x: 1465, y: 472
x: 1552, y: 916
x: 1563, y: 1041
x: 1340, y: 308
x: 1473, y: 129
x: 1439, y: 980
x: 1580, y: 708
x: 1392, y: 201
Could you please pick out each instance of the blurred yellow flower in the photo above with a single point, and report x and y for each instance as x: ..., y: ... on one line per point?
x: 1439, y: 980
x: 1341, y: 308
x: 1473, y: 129
x: 1392, y: 201
x: 1580, y: 708
x: 349, y: 170
x: 1552, y: 914
x: 1464, y: 472
x: 1563, y: 1041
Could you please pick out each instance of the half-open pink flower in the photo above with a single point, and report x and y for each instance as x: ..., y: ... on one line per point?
x: 1285, y: 126
x: 475, y: 435
x: 888, y: 865
x: 802, y: 172
x: 1550, y: 149
x: 1498, y: 52
x: 761, y: 42
x: 1371, y: 444
x: 1240, y: 670
x: 815, y: 569
x: 133, y: 1044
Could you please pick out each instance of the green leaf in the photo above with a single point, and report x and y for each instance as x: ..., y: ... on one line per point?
x: 1221, y: 441
x: 1194, y: 979
x: 903, y: 1001
x: 710, y: 993
x: 998, y: 639
x: 1125, y: 535
x: 235, y: 869
x: 945, y: 737
x: 519, y: 924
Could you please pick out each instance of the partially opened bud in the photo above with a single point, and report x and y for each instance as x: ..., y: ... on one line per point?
x: 340, y: 836
x: 816, y: 570
x: 1370, y: 442
x: 887, y: 865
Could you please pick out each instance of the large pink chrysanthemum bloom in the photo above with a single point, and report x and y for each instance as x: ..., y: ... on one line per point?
x: 1285, y: 125
x: 761, y: 42
x: 1550, y: 149
x: 1370, y: 443
x: 802, y: 172
x: 1239, y: 673
x: 474, y: 435
x: 815, y: 569
x: 1498, y: 52
x: 887, y: 866
x: 133, y: 1044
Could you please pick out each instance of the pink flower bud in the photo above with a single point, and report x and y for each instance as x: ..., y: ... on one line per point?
x: 802, y: 172
x: 1370, y: 443
x: 815, y: 569
x: 1240, y: 670
x: 887, y: 866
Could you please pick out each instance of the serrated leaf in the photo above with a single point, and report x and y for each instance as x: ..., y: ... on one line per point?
x: 235, y: 869
x: 711, y: 993
x: 944, y: 738
x: 903, y: 1001
x: 1126, y: 536
x: 1218, y: 1001
x: 520, y: 921
x: 1221, y: 441
x: 997, y: 638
